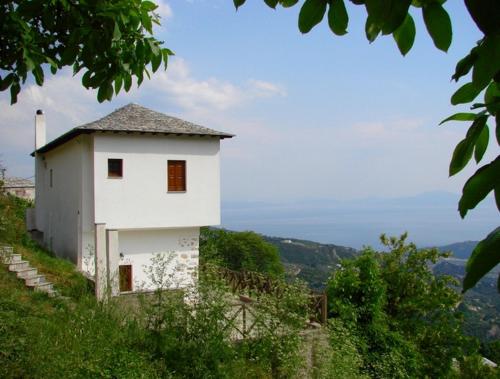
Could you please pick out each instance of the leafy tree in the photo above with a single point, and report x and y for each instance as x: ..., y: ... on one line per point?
x: 110, y: 41
x: 394, y: 17
x: 404, y: 316
x: 240, y: 251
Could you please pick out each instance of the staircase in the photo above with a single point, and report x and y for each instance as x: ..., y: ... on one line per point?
x: 24, y: 271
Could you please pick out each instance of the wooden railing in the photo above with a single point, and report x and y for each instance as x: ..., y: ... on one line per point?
x: 253, y: 283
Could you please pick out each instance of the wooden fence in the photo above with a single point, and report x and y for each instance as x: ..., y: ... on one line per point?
x: 253, y: 283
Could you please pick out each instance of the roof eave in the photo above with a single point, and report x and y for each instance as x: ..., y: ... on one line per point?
x: 77, y: 131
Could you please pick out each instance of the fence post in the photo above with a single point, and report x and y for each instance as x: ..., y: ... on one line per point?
x: 324, y: 308
x: 244, y: 321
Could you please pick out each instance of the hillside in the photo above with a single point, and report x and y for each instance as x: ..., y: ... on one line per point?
x: 308, y: 260
x: 460, y: 250
x: 314, y: 262
x: 481, y: 305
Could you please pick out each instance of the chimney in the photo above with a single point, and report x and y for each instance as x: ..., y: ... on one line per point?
x: 40, y: 134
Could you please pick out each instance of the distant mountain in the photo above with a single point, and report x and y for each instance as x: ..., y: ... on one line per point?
x: 308, y: 260
x: 461, y: 250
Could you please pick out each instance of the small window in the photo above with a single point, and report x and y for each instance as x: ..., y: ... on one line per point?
x: 115, y: 168
x: 176, y: 176
x: 50, y: 178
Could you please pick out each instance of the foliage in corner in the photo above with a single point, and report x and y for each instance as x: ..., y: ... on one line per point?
x: 395, y: 17
x: 404, y: 317
x: 110, y: 41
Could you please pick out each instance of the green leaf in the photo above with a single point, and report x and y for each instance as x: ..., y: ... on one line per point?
x: 497, y: 127
x: 484, y: 257
x: 461, y: 156
x: 338, y: 19
x: 288, y: 3
x: 485, y: 14
x: 238, y: 3
x: 479, y: 185
x: 465, y: 64
x: 482, y: 144
x: 86, y: 79
x: 463, y: 152
x: 460, y: 117
x: 69, y: 54
x: 492, y: 98
x: 405, y: 35
x: 127, y: 81
x: 146, y: 22
x: 148, y: 6
x: 116, y: 33
x: 438, y: 25
x: 6, y: 82
x: 38, y: 74
x: 118, y: 84
x: 372, y: 30
x: 271, y: 3
x: 311, y: 14
x: 155, y: 49
x: 15, y: 88
x: 105, y: 92
x: 497, y: 196
x: 465, y: 94
x: 388, y: 14
x: 155, y: 62
x: 488, y: 61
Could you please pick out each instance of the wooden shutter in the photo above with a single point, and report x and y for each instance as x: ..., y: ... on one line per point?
x: 176, y: 176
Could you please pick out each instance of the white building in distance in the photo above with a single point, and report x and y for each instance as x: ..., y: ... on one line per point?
x: 20, y: 187
x: 114, y: 193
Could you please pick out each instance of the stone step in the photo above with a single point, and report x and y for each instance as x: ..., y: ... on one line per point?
x: 36, y: 279
x: 17, y: 266
x: 12, y: 258
x: 24, y: 273
x: 6, y: 250
x: 42, y: 287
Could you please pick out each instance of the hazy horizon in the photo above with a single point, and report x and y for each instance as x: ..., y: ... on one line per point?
x: 431, y: 219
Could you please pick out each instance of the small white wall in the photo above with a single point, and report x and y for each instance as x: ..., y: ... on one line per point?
x: 59, y: 208
x: 27, y: 193
x: 140, y: 199
x: 178, y: 246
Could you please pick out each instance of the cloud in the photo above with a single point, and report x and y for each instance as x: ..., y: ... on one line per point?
x: 191, y: 94
x: 265, y: 89
x: 164, y: 10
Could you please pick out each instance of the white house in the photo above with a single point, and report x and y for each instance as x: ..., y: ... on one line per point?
x: 19, y: 187
x: 118, y: 191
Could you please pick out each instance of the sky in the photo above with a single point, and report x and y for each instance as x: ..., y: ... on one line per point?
x: 315, y: 115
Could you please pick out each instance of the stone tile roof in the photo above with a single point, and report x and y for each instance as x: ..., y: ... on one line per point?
x: 17, y: 183
x: 133, y: 118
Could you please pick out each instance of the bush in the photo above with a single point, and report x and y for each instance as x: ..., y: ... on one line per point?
x: 240, y: 251
x: 405, y: 317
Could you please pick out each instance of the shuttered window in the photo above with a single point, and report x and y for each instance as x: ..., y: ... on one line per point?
x: 176, y: 176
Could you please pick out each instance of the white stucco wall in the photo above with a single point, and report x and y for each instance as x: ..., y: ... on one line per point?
x: 179, y: 247
x: 59, y: 208
x: 140, y: 199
